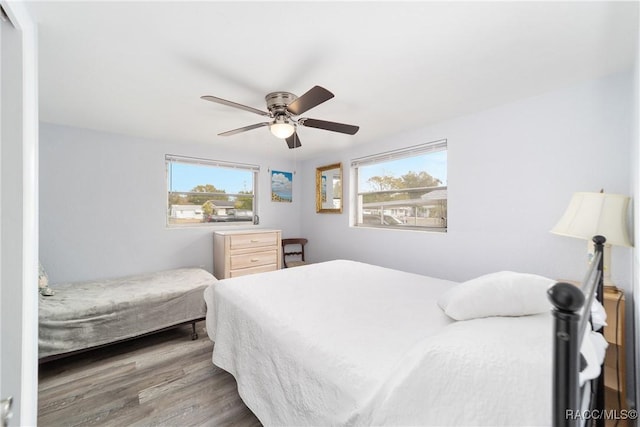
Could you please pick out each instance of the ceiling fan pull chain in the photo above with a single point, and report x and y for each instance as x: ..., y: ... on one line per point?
x: 295, y: 161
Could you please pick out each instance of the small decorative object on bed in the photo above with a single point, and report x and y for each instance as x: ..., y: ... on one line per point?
x: 347, y: 343
x: 87, y: 315
x: 43, y: 283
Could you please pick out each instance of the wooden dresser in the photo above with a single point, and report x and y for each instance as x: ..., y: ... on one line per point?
x: 241, y: 252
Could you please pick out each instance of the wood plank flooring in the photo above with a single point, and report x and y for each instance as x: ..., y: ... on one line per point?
x: 164, y: 379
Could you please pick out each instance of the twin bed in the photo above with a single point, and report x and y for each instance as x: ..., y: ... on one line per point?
x: 347, y: 343
x: 87, y: 315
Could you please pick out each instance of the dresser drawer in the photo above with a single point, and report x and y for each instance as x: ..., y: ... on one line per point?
x: 253, y: 240
x: 254, y: 259
x: 253, y: 270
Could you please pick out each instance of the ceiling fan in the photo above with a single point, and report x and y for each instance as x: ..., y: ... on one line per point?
x: 282, y: 107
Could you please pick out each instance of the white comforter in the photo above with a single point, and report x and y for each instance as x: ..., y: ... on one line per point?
x: 346, y: 343
x: 481, y: 372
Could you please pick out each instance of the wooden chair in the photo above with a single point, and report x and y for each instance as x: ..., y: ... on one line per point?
x: 296, y: 251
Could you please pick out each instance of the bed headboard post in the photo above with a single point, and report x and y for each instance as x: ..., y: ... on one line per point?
x: 567, y: 302
x: 571, y: 313
x: 599, y: 242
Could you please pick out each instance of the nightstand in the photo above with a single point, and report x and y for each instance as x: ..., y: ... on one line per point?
x: 614, y: 364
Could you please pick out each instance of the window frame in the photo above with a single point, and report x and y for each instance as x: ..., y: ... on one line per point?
x: 357, y: 218
x: 254, y: 169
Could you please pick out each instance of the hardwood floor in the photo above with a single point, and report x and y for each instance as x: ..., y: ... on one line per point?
x: 164, y: 379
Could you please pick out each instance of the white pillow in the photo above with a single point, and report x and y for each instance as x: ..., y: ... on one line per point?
x: 504, y: 293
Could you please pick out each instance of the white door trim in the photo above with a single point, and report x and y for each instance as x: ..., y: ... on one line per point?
x: 25, y: 409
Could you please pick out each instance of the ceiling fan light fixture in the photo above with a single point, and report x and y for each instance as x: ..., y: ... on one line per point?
x: 282, y: 108
x: 282, y: 127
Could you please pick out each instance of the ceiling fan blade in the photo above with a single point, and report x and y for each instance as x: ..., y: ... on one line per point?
x: 244, y: 129
x: 293, y: 141
x: 332, y: 126
x: 313, y: 97
x: 233, y: 104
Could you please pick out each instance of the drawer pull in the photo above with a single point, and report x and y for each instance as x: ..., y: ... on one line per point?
x: 254, y: 260
x: 254, y: 240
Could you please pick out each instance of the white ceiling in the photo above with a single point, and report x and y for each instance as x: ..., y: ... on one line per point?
x: 140, y: 68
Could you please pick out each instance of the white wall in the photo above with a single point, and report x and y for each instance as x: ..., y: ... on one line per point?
x: 511, y: 173
x: 103, y: 203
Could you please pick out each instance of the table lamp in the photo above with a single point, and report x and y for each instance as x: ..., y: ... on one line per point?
x: 597, y: 214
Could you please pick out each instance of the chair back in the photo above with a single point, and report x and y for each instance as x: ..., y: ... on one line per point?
x: 293, y: 248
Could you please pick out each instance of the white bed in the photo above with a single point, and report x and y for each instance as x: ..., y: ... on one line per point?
x: 347, y: 343
x: 85, y: 315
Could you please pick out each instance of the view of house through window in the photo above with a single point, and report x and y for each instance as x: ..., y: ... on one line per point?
x: 404, y: 188
x: 204, y: 191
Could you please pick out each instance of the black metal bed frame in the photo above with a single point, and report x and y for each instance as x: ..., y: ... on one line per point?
x: 571, y: 312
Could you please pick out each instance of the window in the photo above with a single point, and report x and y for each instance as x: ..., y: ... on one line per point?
x: 403, y: 189
x: 204, y: 191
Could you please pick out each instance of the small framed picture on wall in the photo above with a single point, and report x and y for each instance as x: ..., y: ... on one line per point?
x: 281, y: 186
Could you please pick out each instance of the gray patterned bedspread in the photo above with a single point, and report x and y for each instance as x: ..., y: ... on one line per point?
x: 87, y: 314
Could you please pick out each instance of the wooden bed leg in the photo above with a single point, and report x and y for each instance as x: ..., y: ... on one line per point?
x: 194, y: 334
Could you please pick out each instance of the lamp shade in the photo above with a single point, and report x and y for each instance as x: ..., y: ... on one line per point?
x: 591, y: 214
x: 282, y: 127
